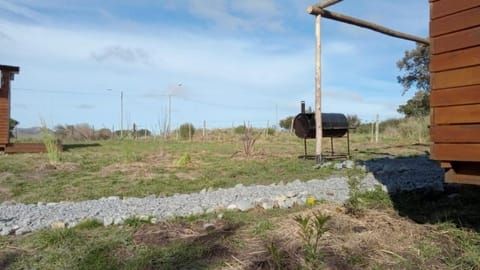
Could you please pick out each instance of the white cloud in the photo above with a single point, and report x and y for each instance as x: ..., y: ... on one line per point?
x: 22, y: 11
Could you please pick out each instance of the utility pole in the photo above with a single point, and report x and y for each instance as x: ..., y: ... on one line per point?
x: 169, y: 113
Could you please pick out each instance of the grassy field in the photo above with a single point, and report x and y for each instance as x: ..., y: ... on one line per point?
x: 147, y: 166
x: 420, y: 230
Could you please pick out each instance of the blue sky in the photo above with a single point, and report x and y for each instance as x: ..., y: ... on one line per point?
x: 223, y: 61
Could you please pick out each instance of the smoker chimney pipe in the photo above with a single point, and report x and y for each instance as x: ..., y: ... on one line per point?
x: 302, y: 104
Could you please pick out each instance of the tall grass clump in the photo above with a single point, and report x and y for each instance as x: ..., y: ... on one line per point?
x: 412, y: 128
x: 51, y: 144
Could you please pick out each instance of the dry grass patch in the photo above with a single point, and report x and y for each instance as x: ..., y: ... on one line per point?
x: 376, y: 239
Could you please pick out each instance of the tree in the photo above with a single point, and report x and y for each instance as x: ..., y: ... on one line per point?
x: 415, y: 73
x: 353, y: 120
x: 12, y: 124
x: 286, y: 123
x: 186, y: 131
x: 417, y: 106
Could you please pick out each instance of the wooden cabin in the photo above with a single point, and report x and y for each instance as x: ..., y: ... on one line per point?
x: 7, y: 74
x: 455, y: 88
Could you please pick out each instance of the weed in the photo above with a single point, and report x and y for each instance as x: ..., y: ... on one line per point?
x: 129, y: 151
x: 88, y: 224
x: 249, y: 139
x: 57, y: 237
x: 311, y: 230
x: 262, y: 226
x: 353, y: 204
x: 137, y: 221
x: 184, y: 160
x: 277, y: 257
x: 51, y: 144
x: 376, y: 198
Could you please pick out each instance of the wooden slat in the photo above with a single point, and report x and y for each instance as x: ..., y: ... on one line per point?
x: 455, y: 134
x: 457, y: 114
x: 457, y: 152
x: 462, y: 178
x: 455, y: 59
x: 464, y: 172
x: 453, y: 23
x: 455, y: 41
x: 455, y: 78
x: 455, y: 96
x: 446, y: 7
x: 445, y: 164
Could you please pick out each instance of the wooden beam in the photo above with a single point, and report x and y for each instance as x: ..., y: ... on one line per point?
x: 315, y: 10
x: 326, y: 3
x: 318, y: 90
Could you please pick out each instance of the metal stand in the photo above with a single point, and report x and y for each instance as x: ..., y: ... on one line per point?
x: 331, y: 154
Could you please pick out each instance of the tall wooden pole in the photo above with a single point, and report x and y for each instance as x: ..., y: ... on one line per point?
x: 318, y: 90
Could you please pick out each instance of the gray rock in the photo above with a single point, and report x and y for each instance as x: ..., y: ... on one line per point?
x: 349, y: 164
x: 107, y: 221
x: 267, y: 205
x: 338, y: 166
x: 290, y: 202
x: 118, y: 221
x: 244, y: 205
x: 291, y: 194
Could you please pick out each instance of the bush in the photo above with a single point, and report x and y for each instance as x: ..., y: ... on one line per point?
x: 186, y: 131
x: 240, y: 129
x: 270, y: 131
x: 104, y: 134
x: 286, y: 123
x: 412, y: 128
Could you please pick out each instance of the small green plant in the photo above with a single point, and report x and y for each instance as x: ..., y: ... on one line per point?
x: 56, y: 238
x: 249, y: 139
x: 311, y: 230
x: 376, y: 198
x: 137, y: 221
x: 353, y: 204
x: 277, y: 257
x: 184, y: 160
x: 51, y: 144
x: 186, y: 131
x: 129, y: 150
x: 88, y: 224
x: 262, y: 226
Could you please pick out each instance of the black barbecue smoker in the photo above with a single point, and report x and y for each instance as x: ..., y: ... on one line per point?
x: 334, y: 125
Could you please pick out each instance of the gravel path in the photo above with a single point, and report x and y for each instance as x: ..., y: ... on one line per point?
x: 393, y: 174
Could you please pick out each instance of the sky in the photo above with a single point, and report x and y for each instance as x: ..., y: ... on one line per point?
x: 222, y: 62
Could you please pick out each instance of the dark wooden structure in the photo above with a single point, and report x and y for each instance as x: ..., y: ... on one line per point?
x: 455, y: 83
x: 7, y: 75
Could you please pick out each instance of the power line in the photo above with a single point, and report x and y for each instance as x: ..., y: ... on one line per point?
x: 60, y: 91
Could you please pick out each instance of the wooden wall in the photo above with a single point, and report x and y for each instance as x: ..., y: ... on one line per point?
x: 455, y: 82
x: 4, y: 109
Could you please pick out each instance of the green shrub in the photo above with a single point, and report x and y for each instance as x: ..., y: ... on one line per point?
x: 186, y: 131
x: 240, y: 129
x: 270, y: 131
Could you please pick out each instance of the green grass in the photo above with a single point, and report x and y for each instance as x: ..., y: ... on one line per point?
x: 128, y: 167
x: 143, y: 167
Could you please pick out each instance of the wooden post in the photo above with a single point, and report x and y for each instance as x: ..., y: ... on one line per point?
x: 376, y: 129
x: 204, y: 128
x: 318, y: 90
